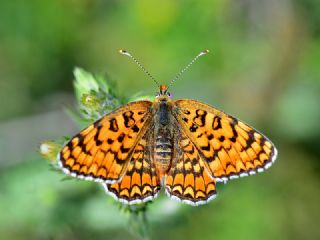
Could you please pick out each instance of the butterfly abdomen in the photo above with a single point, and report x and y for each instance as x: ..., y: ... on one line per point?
x: 163, y: 152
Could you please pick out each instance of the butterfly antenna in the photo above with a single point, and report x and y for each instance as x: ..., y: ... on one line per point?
x: 204, y: 52
x: 126, y: 53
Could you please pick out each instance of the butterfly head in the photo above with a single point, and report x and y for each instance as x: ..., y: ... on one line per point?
x: 163, y: 92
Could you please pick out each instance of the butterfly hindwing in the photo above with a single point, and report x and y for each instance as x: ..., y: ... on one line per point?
x: 140, y: 182
x: 101, y: 152
x: 188, y: 180
x: 229, y: 147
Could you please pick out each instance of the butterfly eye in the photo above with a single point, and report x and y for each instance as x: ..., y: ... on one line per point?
x: 170, y: 95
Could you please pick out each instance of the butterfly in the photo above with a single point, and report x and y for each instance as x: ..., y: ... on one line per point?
x: 183, y: 146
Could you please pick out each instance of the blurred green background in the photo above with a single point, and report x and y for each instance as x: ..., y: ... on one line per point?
x: 264, y: 67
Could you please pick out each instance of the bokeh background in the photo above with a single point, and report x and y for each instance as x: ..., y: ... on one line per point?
x: 264, y: 68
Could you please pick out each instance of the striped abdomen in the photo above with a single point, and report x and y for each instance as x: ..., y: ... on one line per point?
x: 163, y: 153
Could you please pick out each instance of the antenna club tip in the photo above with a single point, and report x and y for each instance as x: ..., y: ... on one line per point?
x: 124, y: 52
x: 204, y: 52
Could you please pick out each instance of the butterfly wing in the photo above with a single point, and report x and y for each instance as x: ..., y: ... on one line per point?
x: 102, y: 151
x: 188, y: 180
x: 140, y: 183
x: 229, y: 147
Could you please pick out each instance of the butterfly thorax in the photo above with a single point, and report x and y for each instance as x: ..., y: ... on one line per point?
x: 163, y: 133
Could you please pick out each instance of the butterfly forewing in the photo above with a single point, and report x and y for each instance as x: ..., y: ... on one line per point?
x: 102, y: 151
x: 140, y: 182
x: 229, y: 147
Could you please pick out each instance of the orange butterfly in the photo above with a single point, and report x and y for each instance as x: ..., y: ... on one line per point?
x: 184, y: 146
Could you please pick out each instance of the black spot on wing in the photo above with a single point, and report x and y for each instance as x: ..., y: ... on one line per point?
x: 113, y: 125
